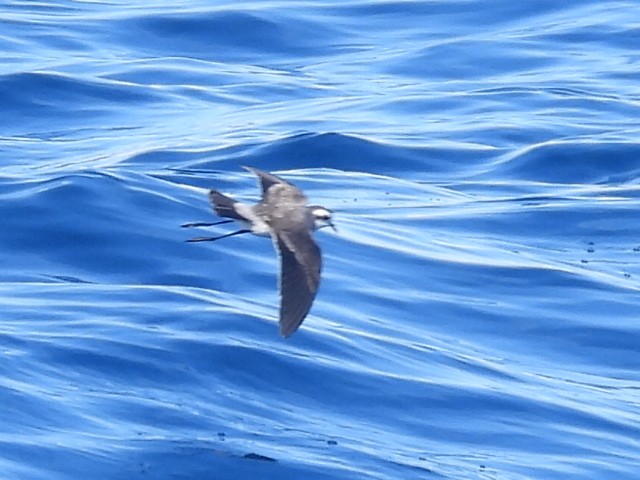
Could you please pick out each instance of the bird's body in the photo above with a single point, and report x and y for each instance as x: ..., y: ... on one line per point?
x: 282, y: 214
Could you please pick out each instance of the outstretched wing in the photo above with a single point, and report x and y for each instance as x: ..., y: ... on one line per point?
x: 301, y: 263
x: 266, y: 179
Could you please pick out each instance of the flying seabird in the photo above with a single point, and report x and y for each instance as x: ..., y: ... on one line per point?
x: 282, y: 214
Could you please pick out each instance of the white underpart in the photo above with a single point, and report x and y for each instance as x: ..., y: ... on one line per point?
x: 255, y: 223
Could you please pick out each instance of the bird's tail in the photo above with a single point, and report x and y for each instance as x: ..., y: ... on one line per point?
x: 223, y: 205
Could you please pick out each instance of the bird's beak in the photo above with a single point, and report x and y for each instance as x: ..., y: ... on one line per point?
x: 333, y: 227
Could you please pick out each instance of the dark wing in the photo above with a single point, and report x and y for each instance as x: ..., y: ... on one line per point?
x: 224, y: 206
x: 266, y: 179
x: 301, y: 263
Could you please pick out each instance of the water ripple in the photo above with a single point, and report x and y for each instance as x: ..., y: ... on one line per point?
x: 477, y: 315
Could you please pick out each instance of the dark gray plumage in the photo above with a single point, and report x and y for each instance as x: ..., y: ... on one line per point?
x: 282, y: 214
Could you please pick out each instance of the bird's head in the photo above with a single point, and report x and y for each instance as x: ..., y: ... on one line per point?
x: 322, y: 217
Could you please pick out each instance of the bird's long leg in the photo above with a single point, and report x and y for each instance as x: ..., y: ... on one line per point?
x: 212, y: 239
x: 204, y: 224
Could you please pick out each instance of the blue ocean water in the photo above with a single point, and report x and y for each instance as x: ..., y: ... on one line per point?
x: 479, y: 311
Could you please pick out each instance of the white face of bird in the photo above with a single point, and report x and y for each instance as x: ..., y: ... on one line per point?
x: 322, y: 217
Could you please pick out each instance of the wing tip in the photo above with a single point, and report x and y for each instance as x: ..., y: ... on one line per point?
x: 285, y: 335
x: 255, y: 171
x: 289, y: 323
x: 288, y: 331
